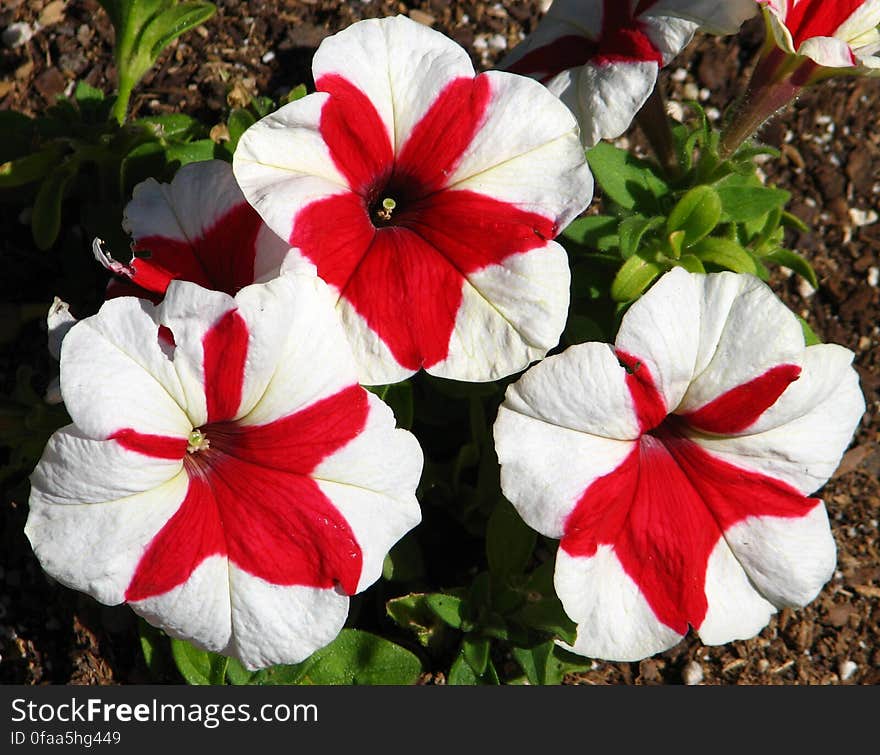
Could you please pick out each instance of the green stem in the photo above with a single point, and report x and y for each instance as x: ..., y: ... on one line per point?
x: 776, y: 82
x: 123, y: 96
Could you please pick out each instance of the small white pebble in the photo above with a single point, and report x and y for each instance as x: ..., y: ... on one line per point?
x: 680, y: 75
x: 268, y: 57
x: 805, y: 289
x: 497, y: 42
x: 690, y: 91
x: 705, y: 94
x: 873, y: 276
x: 713, y: 113
x: 692, y: 674
x: 863, y: 217
x: 481, y: 44
x: 864, y: 343
x: 675, y: 110
x: 15, y: 35
x: 847, y: 670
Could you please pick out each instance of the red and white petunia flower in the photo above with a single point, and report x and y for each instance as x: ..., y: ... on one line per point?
x: 198, y: 228
x: 676, y: 466
x: 235, y: 487
x: 428, y: 198
x: 602, y: 57
x: 839, y: 34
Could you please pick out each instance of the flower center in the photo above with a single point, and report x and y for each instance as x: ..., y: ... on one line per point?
x: 197, y: 441
x: 386, y: 209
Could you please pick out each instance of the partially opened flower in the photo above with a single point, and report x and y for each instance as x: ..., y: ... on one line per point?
x: 198, y: 228
x: 234, y: 488
x: 428, y: 198
x: 676, y: 466
x: 843, y: 34
x: 602, y: 57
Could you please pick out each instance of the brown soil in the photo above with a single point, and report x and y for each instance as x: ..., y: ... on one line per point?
x: 831, y: 152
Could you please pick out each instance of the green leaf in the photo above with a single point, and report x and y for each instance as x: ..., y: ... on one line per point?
x: 191, y: 152
x: 46, y: 217
x: 548, y: 664
x: 154, y: 646
x: 690, y: 263
x: 542, y: 610
x: 725, y: 253
x: 810, y: 337
x: 743, y: 203
x: 696, y: 215
x: 237, y: 674
x: 84, y: 92
x: 167, y: 26
x: 633, y: 278
x: 240, y: 120
x: 198, y: 667
x: 632, y: 229
x: 30, y: 168
x: 448, y: 608
x: 509, y: 541
x: 297, y: 93
x: 412, y: 612
x: 404, y: 563
x: 461, y: 674
x: 360, y: 658
x: 173, y: 126
x: 794, y: 262
x: 476, y: 652
x: 625, y: 179
x: 593, y: 231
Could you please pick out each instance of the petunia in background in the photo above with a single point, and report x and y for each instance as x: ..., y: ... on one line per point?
x: 427, y: 199
x: 602, y: 57
x: 841, y: 34
x: 676, y: 466
x: 234, y: 487
x: 198, y: 228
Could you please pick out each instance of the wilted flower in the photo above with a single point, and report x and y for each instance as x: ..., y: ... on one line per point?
x: 602, y: 57
x: 676, y: 466
x: 198, y: 228
x: 428, y: 199
x: 234, y: 487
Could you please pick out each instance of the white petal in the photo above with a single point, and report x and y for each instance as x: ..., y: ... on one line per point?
x: 788, y: 559
x: 865, y: 19
x: 280, y: 623
x: 534, y: 163
x: 736, y: 611
x: 828, y: 51
x: 605, y: 98
x: 669, y: 35
x: 801, y: 438
x: 663, y: 330
x: 75, y: 469
x: 371, y: 481
x: 58, y: 322
x: 376, y: 364
x: 757, y: 333
x: 399, y: 64
x: 96, y: 547
x: 561, y: 427
x: 511, y: 314
x: 282, y: 163
x: 198, y: 610
x: 614, y: 620
x: 115, y: 374
x: 184, y: 210
x: 712, y: 16
x: 312, y: 360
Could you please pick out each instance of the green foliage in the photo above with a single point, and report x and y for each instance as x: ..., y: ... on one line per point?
x: 709, y: 214
x: 144, y: 28
x: 199, y: 667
